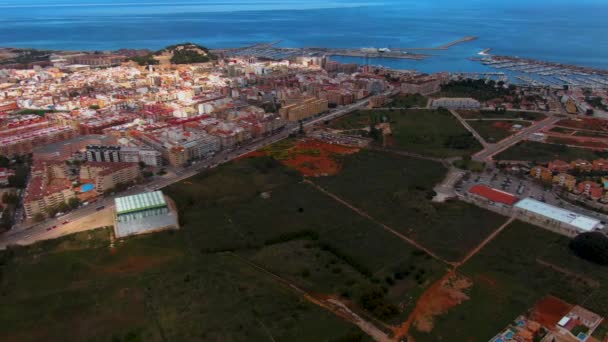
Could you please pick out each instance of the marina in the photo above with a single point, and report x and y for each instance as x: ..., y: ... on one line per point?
x: 536, y: 73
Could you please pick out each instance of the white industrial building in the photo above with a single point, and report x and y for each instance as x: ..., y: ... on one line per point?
x: 143, y: 213
x: 456, y: 103
x: 556, y: 219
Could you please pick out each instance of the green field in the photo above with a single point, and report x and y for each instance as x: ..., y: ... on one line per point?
x: 409, y: 100
x: 508, y: 280
x: 364, y: 253
x: 396, y: 190
x: 433, y: 133
x: 492, y: 134
x: 542, y: 153
x: 195, y: 283
x: 152, y: 288
x: 477, y: 89
x: 507, y: 115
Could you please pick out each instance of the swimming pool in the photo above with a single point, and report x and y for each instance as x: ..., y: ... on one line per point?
x: 87, y: 187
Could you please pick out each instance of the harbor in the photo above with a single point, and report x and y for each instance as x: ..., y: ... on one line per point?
x: 536, y: 73
x: 273, y: 52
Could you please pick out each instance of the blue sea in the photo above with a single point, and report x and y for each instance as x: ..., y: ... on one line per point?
x: 566, y: 31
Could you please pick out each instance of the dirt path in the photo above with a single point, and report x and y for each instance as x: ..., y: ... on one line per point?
x: 444, y: 162
x: 592, y: 282
x: 387, y: 228
x: 484, y: 242
x: 329, y: 303
x: 431, y: 303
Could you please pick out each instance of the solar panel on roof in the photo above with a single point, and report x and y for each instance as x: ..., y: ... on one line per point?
x: 143, y: 201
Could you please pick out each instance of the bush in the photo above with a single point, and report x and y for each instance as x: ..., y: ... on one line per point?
x: 300, y: 235
x: 374, y: 302
x: 591, y: 246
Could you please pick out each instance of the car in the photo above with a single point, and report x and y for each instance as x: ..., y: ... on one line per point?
x: 49, y: 228
x: 101, y: 207
x: 65, y: 222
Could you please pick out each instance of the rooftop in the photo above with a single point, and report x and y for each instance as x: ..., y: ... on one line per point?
x: 139, y: 202
x: 493, y: 195
x: 579, y: 221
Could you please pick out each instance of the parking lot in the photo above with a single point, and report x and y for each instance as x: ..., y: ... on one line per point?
x: 524, y: 187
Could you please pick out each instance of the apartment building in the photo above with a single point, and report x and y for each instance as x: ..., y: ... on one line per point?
x: 302, y: 108
x: 126, y: 154
x: 179, y: 146
x: 107, y: 175
x: 565, y: 180
x: 25, y: 142
x: 48, y: 187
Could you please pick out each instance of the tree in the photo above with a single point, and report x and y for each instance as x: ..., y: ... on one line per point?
x: 592, y: 246
x: 20, y: 177
x: 38, y: 217
x: 63, y: 207
x: 10, y: 198
x: 73, y: 202
x: 7, y: 219
x: 4, y: 161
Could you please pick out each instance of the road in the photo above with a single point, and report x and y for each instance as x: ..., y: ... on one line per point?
x: 487, y: 153
x: 27, y: 234
x: 468, y: 127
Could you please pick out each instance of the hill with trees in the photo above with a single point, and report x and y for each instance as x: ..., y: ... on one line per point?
x: 185, y: 53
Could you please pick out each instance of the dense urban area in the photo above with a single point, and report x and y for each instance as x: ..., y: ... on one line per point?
x: 273, y: 194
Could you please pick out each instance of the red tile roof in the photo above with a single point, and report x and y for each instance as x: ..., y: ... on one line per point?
x: 493, y: 195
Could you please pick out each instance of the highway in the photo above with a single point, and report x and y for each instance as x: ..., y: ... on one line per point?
x: 30, y: 234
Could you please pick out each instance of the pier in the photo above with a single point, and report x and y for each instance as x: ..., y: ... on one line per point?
x: 270, y: 51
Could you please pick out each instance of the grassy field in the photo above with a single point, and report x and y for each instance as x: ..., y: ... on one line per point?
x: 491, y: 133
x: 477, y: 89
x: 409, y: 100
x: 151, y: 288
x: 428, y: 132
x: 508, y: 280
x: 194, y: 284
x: 543, y: 153
x: 396, y: 191
x: 330, y: 241
x: 432, y: 133
x: 508, y: 115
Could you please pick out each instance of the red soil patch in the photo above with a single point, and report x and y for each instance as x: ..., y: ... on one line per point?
x: 252, y: 154
x: 549, y: 310
x: 502, y: 124
x: 314, y: 158
x: 445, y: 294
x: 585, y: 123
x: 580, y: 141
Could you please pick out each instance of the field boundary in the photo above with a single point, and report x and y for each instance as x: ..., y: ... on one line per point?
x: 330, y: 304
x: 592, y: 282
x: 387, y: 228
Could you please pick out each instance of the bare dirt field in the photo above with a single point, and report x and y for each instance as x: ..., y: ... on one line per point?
x: 549, y: 310
x: 312, y: 158
x: 446, y: 293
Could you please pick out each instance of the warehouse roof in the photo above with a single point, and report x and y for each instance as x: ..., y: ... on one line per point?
x: 579, y: 221
x: 493, y: 195
x: 139, y: 202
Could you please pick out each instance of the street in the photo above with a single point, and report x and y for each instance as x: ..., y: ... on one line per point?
x: 31, y: 233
